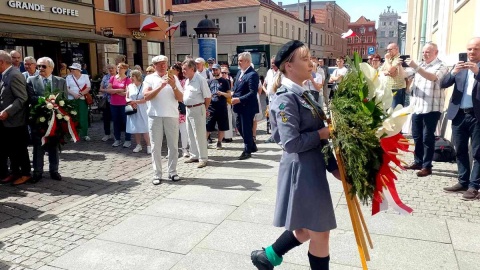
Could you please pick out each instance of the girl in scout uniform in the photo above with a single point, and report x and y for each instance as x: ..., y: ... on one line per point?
x: 304, y: 205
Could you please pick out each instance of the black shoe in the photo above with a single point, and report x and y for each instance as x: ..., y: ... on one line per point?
x: 244, y: 156
x: 260, y: 260
x: 36, y: 177
x: 55, y: 176
x: 227, y: 140
x: 255, y: 149
x: 209, y: 140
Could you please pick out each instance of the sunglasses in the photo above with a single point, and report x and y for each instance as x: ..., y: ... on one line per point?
x: 41, y: 66
x: 224, y: 72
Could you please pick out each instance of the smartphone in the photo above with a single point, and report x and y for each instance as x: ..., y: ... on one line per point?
x: 171, y: 72
x: 404, y: 57
x: 462, y: 57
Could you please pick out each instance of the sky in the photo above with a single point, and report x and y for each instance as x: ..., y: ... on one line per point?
x: 371, y: 9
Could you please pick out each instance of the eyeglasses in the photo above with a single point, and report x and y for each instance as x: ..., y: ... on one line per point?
x: 224, y: 72
x: 121, y: 68
x: 41, y: 66
x: 376, y: 60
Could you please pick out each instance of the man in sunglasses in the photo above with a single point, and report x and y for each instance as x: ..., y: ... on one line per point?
x: 13, y: 128
x: 36, y: 87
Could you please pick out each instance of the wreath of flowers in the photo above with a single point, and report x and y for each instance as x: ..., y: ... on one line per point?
x: 53, y: 118
x: 367, y: 132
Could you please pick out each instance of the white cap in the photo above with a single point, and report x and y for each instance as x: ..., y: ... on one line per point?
x: 159, y: 58
x: 200, y: 60
x: 76, y: 66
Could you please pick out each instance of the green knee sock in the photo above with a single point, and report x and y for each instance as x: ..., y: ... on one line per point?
x: 274, y: 259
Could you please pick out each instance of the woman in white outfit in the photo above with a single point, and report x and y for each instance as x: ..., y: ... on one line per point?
x: 137, y: 123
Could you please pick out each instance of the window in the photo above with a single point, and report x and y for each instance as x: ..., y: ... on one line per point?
x: 458, y: 4
x: 316, y: 38
x: 242, y: 25
x: 132, y: 6
x: 281, y: 29
x: 154, y: 49
x: 287, y: 27
x: 349, y: 40
x: 348, y: 52
x: 391, y: 33
x: 306, y: 33
x: 369, y: 39
x: 152, y: 8
x: 390, y: 23
x: 293, y: 32
x: 384, y: 23
x: 112, y: 50
x: 363, y: 39
x: 222, y: 58
x: 183, y: 29
x: 216, y: 21
x: 181, y: 57
x: 264, y: 24
x: 363, y: 51
x: 382, y: 45
x: 299, y: 33
x: 435, y: 12
x: 382, y: 33
x: 321, y: 40
x: 275, y: 27
x: 370, y: 29
x: 113, y: 5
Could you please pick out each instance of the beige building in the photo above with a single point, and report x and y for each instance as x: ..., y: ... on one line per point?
x: 450, y: 24
x: 248, y: 22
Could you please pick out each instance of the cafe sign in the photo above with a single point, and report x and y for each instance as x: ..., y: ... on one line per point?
x: 138, y: 34
x: 107, y: 32
x: 41, y: 8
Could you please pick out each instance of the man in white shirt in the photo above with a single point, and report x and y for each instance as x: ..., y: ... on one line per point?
x: 267, y: 88
x: 201, y: 70
x: 197, y: 98
x: 338, y: 74
x: 162, y: 92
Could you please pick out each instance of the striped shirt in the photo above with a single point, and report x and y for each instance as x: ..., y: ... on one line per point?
x: 427, y: 95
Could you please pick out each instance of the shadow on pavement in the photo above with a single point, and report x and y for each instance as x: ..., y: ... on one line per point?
x: 81, y: 156
x: 225, y: 183
x: 17, y: 214
x: 241, y: 164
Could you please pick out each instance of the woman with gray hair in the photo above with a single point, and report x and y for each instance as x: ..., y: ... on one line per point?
x: 137, y: 123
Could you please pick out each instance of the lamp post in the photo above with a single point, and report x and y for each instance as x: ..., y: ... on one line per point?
x: 169, y: 19
x: 362, y: 32
x: 192, y: 37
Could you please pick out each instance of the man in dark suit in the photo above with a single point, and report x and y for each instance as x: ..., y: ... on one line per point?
x: 245, y: 102
x: 464, y: 111
x: 36, y: 86
x: 13, y: 128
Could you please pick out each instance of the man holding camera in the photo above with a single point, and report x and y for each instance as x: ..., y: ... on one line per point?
x: 391, y: 69
x: 464, y: 110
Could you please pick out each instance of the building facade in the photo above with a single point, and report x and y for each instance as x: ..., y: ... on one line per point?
x: 125, y: 20
x: 61, y: 30
x: 365, y: 43
x: 332, y: 20
x: 387, y: 31
x: 449, y: 24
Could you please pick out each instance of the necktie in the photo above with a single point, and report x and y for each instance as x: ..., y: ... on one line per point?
x: 46, y: 83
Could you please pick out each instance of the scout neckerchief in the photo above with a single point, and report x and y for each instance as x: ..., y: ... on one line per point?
x: 307, y: 98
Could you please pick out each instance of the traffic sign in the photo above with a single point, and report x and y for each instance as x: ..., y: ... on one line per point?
x: 371, y: 50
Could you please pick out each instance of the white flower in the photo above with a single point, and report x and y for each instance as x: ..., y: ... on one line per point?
x: 66, y: 117
x: 73, y: 113
x: 393, y: 124
x: 52, y: 97
x: 59, y: 116
x: 61, y: 103
x: 41, y: 119
x: 49, y: 106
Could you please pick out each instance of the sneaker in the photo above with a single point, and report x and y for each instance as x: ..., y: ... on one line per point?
x: 202, y: 164
x: 227, y: 140
x: 470, y: 194
x: 87, y: 139
x: 156, y: 181
x: 127, y: 144
x: 106, y: 138
x: 219, y: 146
x: 191, y: 160
x: 455, y: 188
x: 149, y: 149
x: 186, y: 154
x: 137, y: 148
x: 174, y: 178
x: 116, y: 143
x: 260, y: 260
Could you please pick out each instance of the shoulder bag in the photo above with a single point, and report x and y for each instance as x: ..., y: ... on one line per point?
x: 129, y: 109
x: 87, y: 96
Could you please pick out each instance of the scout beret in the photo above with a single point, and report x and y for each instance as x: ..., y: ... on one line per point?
x: 286, y: 50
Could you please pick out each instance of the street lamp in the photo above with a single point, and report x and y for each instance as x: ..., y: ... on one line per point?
x: 362, y: 32
x: 192, y: 37
x: 169, y: 19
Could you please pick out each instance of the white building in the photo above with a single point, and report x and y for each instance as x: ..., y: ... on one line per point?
x: 246, y: 22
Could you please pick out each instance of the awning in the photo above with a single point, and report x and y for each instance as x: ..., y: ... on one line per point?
x: 23, y: 31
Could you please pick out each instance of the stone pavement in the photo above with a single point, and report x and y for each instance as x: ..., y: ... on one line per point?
x: 107, y: 215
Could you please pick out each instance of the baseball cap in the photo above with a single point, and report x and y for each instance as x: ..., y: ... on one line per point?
x: 216, y: 66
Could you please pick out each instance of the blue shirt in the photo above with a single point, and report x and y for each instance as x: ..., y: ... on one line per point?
x: 105, y: 81
x: 467, y: 91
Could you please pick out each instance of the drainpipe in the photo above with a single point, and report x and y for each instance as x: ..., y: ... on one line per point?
x: 423, y: 30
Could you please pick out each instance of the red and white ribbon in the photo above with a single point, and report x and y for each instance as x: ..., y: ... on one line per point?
x: 52, y: 124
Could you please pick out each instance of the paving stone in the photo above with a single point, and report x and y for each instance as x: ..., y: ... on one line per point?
x: 212, y: 195
x: 159, y: 233
x: 189, y: 210
x: 98, y: 254
x: 464, y: 236
x: 467, y: 260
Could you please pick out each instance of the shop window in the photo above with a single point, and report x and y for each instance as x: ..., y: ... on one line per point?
x: 154, y: 49
x: 112, y: 50
x: 113, y: 5
x: 183, y: 29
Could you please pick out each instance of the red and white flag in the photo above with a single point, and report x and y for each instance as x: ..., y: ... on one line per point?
x: 148, y: 24
x: 173, y: 27
x: 348, y: 34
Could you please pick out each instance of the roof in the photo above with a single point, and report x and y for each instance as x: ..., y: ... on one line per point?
x: 319, y: 14
x: 227, y: 4
x: 362, y: 21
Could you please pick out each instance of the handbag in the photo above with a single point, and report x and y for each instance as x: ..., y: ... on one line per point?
x: 129, y: 109
x: 87, y: 96
x: 182, y: 109
x: 102, y: 104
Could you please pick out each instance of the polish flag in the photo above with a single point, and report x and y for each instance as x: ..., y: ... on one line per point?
x: 348, y: 34
x: 173, y: 27
x: 148, y: 24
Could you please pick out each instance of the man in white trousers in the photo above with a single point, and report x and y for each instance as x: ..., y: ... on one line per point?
x: 197, y: 97
x: 162, y: 92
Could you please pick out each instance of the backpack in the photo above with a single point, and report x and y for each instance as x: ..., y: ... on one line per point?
x: 444, y: 150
